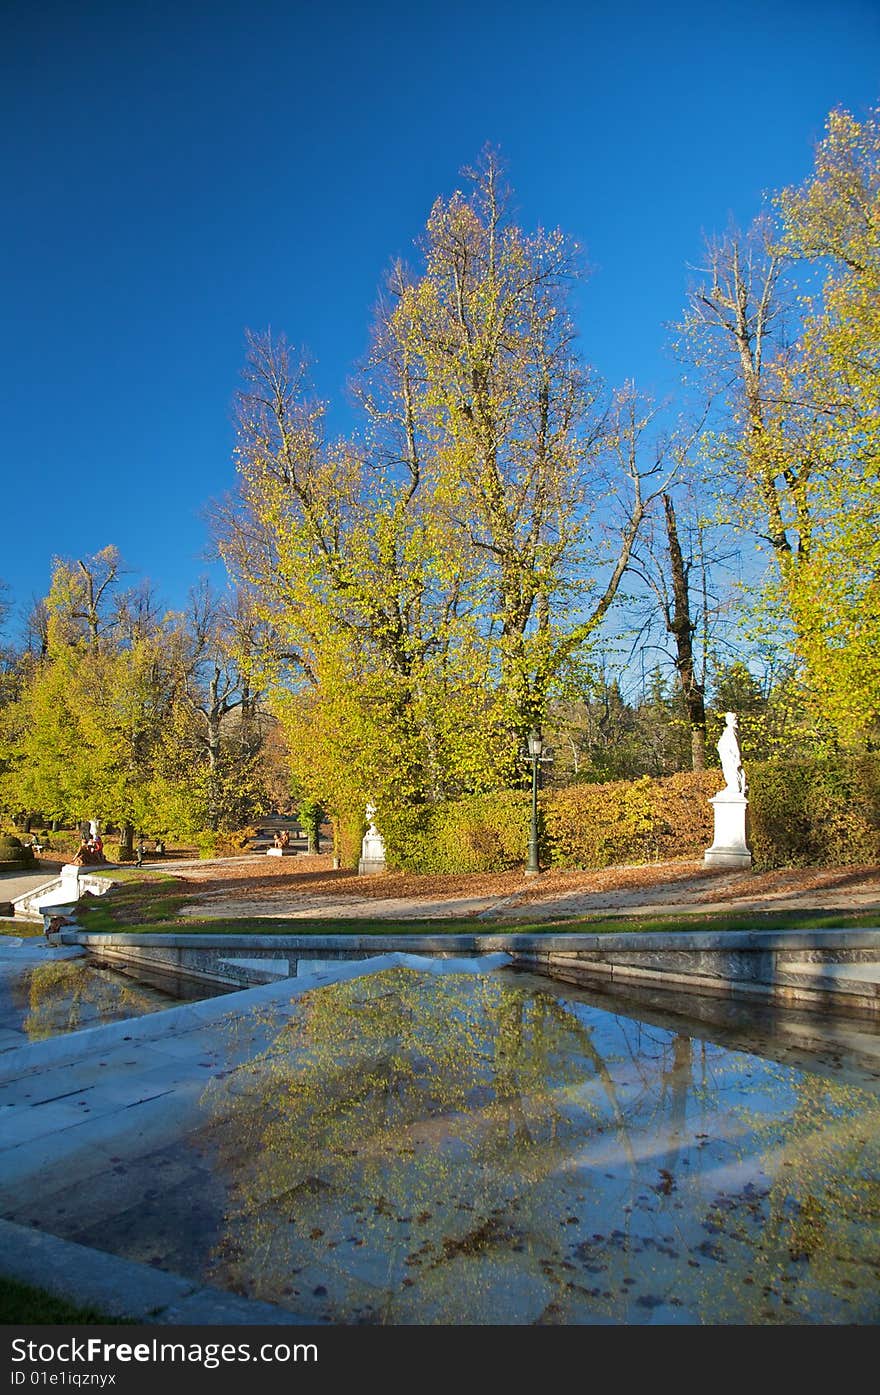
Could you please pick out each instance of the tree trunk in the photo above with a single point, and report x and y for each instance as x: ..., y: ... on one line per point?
x: 126, y: 847
x: 698, y: 747
x: 681, y: 627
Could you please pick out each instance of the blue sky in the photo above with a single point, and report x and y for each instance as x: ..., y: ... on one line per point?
x: 177, y: 173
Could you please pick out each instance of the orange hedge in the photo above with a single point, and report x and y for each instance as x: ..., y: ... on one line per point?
x: 802, y: 813
x: 629, y: 820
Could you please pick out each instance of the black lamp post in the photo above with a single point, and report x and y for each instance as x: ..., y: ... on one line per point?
x: 534, y: 753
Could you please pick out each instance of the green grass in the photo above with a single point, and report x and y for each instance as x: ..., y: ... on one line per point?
x: 21, y: 1303
x: 147, y: 897
x: 728, y: 921
x: 23, y: 928
x: 138, y: 889
x: 131, y: 874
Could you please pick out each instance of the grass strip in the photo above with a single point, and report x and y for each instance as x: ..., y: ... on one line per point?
x: 22, y: 1303
x: 691, y: 922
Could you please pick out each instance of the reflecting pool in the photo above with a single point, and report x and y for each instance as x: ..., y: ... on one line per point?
x: 413, y: 1148
x: 67, y: 995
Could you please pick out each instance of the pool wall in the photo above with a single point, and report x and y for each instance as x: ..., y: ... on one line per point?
x: 819, y: 969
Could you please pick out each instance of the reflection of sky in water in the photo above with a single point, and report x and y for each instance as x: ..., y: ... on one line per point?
x: 459, y: 1149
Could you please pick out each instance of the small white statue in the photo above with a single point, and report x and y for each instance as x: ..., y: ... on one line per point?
x: 373, y: 846
x: 731, y: 757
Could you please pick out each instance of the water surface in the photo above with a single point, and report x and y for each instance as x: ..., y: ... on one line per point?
x: 411, y: 1148
x: 68, y: 995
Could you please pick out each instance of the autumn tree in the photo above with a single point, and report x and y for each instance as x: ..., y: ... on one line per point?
x: 81, y: 738
x: 355, y: 587
x: 36, y: 628
x: 799, y: 375
x: 220, y: 724
x: 9, y: 662
x: 46, y: 759
x: 832, y: 223
x: 80, y: 600
x: 128, y: 715
x: 427, y: 584
x: 522, y: 457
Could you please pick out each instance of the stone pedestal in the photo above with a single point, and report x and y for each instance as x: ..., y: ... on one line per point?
x: 71, y: 876
x: 729, y: 848
x: 372, y: 852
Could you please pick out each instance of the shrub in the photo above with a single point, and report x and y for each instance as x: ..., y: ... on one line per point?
x: 483, y: 833
x: 349, y: 828
x: 14, y: 853
x: 580, y: 826
x: 228, y: 843
x: 231, y: 842
x: 820, y: 811
x: 629, y: 821
x: 815, y: 812
x: 64, y: 844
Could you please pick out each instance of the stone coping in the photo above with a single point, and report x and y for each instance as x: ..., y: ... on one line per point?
x: 511, y: 941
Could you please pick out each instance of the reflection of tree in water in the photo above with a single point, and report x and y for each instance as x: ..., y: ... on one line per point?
x: 788, y: 1229
x: 65, y: 995
x: 817, y: 1251
x: 424, y: 1131
x: 450, y: 1135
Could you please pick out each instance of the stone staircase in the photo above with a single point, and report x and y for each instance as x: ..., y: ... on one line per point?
x: 60, y: 893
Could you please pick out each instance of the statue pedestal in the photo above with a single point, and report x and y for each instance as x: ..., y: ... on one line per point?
x: 729, y: 848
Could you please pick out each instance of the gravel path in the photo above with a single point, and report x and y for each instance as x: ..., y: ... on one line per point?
x: 14, y: 884
x: 309, y: 888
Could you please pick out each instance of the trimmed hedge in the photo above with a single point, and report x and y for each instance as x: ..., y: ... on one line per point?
x: 629, y: 820
x: 814, y: 813
x: 14, y: 856
x: 348, y: 833
x: 801, y: 813
x: 484, y: 833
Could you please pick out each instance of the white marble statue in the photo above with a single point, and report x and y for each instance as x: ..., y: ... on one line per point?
x: 373, y: 846
x: 731, y: 757
x: 730, y: 848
